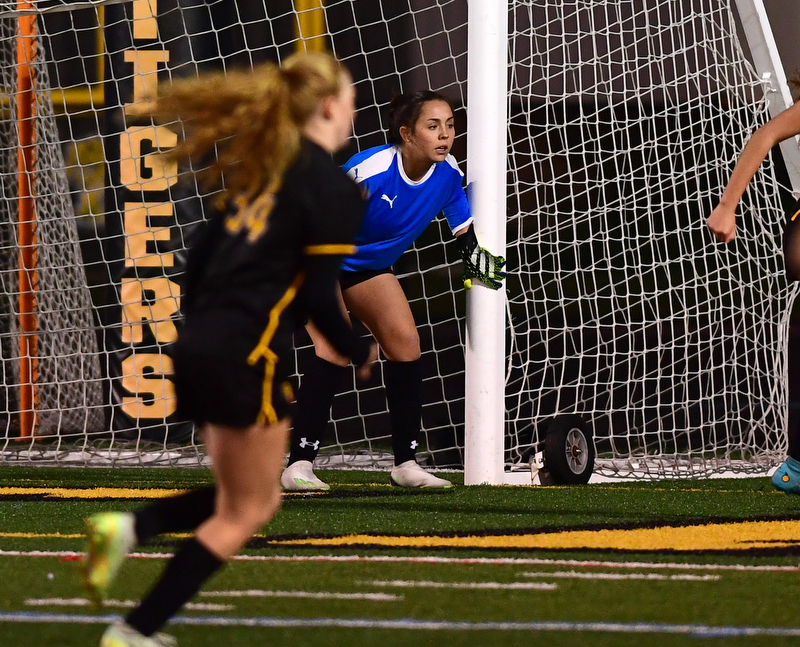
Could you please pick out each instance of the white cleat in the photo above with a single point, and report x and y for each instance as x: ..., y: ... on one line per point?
x: 410, y: 474
x: 300, y: 477
x: 121, y: 635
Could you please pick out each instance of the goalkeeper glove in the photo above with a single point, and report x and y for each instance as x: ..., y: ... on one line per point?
x: 479, y: 263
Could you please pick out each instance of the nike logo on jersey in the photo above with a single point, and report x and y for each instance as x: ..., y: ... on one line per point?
x: 389, y: 200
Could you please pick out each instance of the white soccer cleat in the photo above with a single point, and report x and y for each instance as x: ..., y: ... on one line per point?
x: 121, y: 635
x: 300, y: 477
x: 410, y: 474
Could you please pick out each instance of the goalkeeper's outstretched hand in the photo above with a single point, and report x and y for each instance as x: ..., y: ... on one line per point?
x: 479, y: 263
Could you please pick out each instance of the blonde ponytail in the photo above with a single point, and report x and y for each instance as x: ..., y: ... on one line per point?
x: 248, y: 122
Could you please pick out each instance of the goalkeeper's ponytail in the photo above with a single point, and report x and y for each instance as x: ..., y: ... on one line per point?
x: 244, y: 126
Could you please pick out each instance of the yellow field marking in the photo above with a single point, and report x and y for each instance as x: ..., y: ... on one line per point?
x: 39, y: 535
x: 89, y: 493
x: 739, y: 536
x: 724, y: 536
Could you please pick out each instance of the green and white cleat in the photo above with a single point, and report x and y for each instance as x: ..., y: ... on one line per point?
x: 410, y: 474
x: 300, y: 477
x: 121, y: 635
x: 109, y: 537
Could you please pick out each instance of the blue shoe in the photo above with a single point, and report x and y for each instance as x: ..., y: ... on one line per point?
x: 787, y: 477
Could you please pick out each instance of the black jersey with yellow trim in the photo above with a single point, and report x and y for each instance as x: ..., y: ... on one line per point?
x: 251, y: 254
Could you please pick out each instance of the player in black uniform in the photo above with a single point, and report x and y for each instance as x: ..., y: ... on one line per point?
x: 267, y: 263
x: 722, y: 222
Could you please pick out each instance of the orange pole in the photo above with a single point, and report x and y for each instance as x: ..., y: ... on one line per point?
x: 26, y: 224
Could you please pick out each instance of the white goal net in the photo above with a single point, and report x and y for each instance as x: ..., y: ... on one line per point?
x: 624, y: 125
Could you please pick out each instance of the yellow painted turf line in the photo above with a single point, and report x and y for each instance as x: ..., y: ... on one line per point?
x: 90, y: 493
x: 738, y: 536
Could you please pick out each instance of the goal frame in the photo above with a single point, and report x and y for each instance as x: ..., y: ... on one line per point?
x: 487, y: 107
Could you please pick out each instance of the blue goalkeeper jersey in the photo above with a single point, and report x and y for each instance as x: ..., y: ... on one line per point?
x: 399, y: 209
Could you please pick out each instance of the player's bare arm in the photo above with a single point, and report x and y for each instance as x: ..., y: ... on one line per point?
x: 722, y: 221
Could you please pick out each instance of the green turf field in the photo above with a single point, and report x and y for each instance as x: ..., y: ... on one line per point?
x: 664, y: 563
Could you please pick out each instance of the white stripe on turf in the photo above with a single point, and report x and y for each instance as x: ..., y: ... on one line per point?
x: 315, y: 595
x: 700, y: 631
x: 428, y: 584
x: 521, y: 561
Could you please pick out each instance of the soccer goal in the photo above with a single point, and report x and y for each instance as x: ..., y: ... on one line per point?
x: 596, y: 138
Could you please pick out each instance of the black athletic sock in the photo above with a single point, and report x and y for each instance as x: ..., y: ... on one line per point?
x: 793, y: 426
x: 404, y: 397
x: 175, y: 514
x: 182, y: 578
x: 794, y: 441
x: 320, y: 384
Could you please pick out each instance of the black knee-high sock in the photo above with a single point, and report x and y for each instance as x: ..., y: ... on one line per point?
x: 404, y: 397
x: 175, y: 514
x: 182, y: 578
x: 794, y: 441
x: 320, y: 385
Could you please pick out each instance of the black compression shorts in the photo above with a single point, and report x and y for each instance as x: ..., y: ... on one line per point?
x: 349, y: 279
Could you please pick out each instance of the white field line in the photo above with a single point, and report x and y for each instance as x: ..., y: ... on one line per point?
x: 622, y: 576
x: 495, y: 586
x: 702, y: 631
x: 314, y: 595
x: 119, y: 604
x: 491, y: 561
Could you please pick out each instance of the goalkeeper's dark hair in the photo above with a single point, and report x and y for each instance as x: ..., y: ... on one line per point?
x: 248, y: 122
x: 404, y: 110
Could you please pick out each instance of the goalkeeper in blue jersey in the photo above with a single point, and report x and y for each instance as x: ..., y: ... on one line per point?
x: 406, y: 183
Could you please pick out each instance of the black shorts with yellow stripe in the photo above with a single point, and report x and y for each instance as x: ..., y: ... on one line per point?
x: 222, y: 379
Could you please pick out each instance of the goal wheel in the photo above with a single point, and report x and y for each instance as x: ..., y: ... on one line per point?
x: 569, y: 450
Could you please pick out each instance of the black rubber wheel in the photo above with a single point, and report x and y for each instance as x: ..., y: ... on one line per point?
x: 569, y: 450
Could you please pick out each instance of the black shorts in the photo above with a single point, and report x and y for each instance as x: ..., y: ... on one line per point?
x: 215, y: 382
x: 349, y: 279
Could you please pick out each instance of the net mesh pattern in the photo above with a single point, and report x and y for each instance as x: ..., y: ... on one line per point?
x: 624, y: 124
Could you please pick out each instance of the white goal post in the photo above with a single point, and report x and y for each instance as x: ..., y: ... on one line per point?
x: 595, y: 137
x: 767, y: 61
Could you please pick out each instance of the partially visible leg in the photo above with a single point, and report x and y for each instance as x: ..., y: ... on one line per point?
x: 247, y: 465
x: 321, y: 382
x: 174, y: 514
x: 318, y: 387
x: 787, y: 477
x: 404, y: 397
x: 382, y: 307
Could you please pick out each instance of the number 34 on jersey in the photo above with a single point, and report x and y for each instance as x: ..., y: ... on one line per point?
x: 251, y: 217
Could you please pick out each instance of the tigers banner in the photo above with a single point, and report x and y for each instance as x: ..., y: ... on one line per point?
x: 153, y: 213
